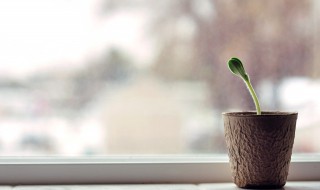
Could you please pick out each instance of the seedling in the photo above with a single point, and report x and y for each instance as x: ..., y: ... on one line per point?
x: 236, y: 67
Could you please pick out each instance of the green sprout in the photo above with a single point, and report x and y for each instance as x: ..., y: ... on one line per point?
x: 236, y: 67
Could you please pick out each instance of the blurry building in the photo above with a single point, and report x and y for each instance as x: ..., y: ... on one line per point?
x: 143, y: 118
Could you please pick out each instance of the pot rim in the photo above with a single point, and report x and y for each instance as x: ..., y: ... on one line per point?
x: 263, y: 113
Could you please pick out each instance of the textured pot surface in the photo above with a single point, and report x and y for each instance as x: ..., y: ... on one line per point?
x: 260, y: 147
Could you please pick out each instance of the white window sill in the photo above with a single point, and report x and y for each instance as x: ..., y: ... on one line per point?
x: 213, y: 186
x: 135, y: 170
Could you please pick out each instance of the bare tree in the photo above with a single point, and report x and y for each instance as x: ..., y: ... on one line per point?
x: 269, y: 34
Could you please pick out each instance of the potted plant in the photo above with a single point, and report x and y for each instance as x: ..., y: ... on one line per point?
x: 259, y: 143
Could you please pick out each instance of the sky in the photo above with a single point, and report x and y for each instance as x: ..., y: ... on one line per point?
x: 40, y: 35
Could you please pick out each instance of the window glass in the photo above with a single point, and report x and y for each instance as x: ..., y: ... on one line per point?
x: 105, y: 77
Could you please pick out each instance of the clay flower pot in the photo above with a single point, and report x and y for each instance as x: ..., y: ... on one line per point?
x: 259, y: 147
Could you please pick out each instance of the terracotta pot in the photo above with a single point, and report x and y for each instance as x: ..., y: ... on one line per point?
x: 259, y: 147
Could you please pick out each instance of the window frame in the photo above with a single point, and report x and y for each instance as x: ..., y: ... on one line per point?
x: 136, y: 169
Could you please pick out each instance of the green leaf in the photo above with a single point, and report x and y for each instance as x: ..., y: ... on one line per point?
x: 236, y: 67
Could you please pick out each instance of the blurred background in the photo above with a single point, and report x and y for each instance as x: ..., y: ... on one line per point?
x: 105, y: 77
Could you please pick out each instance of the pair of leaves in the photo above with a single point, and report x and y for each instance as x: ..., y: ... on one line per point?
x: 236, y: 67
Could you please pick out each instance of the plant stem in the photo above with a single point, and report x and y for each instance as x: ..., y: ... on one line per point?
x: 254, y: 96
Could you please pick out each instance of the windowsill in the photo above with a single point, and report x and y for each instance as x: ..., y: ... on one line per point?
x: 212, y: 186
x: 135, y: 170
